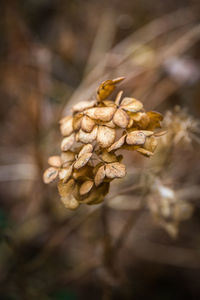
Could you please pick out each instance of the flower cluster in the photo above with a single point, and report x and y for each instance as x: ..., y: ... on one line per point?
x: 91, y: 136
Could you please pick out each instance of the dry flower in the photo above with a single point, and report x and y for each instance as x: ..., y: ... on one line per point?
x: 88, y: 162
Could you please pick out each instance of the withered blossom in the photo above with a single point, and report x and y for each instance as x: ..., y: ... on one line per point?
x: 88, y: 162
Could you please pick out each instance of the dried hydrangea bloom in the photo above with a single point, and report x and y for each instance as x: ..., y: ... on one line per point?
x: 91, y: 136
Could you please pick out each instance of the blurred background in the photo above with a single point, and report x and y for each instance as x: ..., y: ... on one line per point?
x: 144, y: 242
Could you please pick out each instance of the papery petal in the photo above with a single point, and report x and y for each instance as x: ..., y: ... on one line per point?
x: 81, y: 106
x: 65, y: 173
x: 121, y: 119
x: 82, y: 161
x: 131, y: 104
x: 105, y: 136
x: 117, y: 144
x: 87, y: 124
x: 54, y: 161
x: 66, y: 126
x: 67, y: 157
x: 135, y: 138
x: 50, y: 175
x: 104, y: 114
x: 100, y: 175
x: 86, y: 149
x: 144, y: 152
x: 115, y: 170
x: 67, y: 142
x: 86, y: 187
x: 85, y: 137
x: 108, y: 157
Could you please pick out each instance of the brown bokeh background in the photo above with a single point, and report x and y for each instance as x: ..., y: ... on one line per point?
x: 52, y: 55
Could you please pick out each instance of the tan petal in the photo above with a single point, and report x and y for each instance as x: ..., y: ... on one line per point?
x: 54, y: 161
x: 131, y: 104
x: 86, y: 187
x: 77, y: 121
x: 118, y: 98
x: 108, y: 124
x: 67, y: 157
x: 87, y: 124
x: 144, y: 152
x: 117, y: 144
x: 115, y: 170
x: 85, y: 137
x: 109, y: 103
x: 100, y: 175
x: 67, y: 142
x: 121, y: 119
x: 105, y: 136
x: 66, y: 126
x: 151, y: 143
x: 66, y: 193
x: 135, y: 138
x: 70, y: 202
x: 108, y: 157
x: 86, y: 149
x: 107, y: 87
x: 50, y: 175
x: 160, y: 133
x: 82, y: 161
x: 83, y: 105
x: 104, y: 114
x: 65, y: 173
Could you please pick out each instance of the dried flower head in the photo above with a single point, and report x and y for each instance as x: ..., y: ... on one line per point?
x: 88, y: 162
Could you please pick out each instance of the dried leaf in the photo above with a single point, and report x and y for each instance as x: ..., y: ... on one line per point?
x: 104, y: 114
x: 105, y: 136
x: 65, y: 173
x: 67, y: 142
x: 81, y: 106
x: 66, y: 126
x: 82, y: 161
x: 121, y: 119
x: 115, y: 170
x: 50, y: 175
x: 100, y: 175
x: 87, y: 124
x: 131, y: 104
x: 118, y: 144
x: 85, y: 137
x: 54, y: 161
x: 86, y: 187
x: 86, y: 149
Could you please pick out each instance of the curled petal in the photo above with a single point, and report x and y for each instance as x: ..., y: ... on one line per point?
x: 54, y: 161
x: 80, y: 106
x: 87, y: 124
x: 107, y: 87
x: 66, y: 194
x: 144, y: 152
x: 50, y: 175
x: 105, y: 136
x: 82, y: 161
x: 66, y: 126
x: 86, y: 187
x: 121, y: 119
x: 65, y: 173
x: 117, y: 144
x: 85, y: 137
x: 100, y: 175
x: 115, y: 170
x: 86, y: 149
x: 67, y: 142
x: 70, y: 202
x: 131, y: 104
x: 104, y: 114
